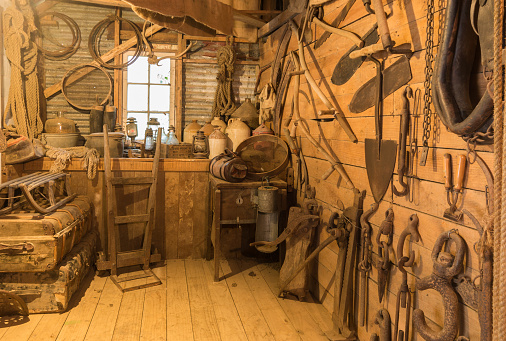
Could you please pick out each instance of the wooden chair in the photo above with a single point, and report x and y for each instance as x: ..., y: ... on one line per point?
x: 116, y: 257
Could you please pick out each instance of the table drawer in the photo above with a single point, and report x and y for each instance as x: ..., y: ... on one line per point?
x: 236, y: 203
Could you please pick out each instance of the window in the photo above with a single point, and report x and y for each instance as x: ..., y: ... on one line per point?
x: 147, y: 92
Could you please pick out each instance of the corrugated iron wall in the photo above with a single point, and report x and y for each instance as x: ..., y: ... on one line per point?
x: 86, y: 17
x: 199, y: 79
x: 200, y: 86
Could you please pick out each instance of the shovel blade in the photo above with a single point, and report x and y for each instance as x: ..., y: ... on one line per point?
x: 380, y: 167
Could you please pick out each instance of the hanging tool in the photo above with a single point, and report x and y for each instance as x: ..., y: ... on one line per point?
x: 379, y: 154
x: 342, y: 317
x: 453, y: 193
x: 364, y: 264
x: 445, y: 267
x: 394, y: 76
x: 404, y: 294
x: 413, y: 148
x: 340, y: 17
x: 383, y: 321
x: 403, y: 134
x: 347, y: 66
x: 485, y: 251
x: 383, y: 262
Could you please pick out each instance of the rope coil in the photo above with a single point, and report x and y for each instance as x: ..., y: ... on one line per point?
x: 62, y: 156
x: 223, y: 99
x: 67, y: 51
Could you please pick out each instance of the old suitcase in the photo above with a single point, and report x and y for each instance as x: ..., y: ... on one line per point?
x: 50, y: 291
x: 30, y: 242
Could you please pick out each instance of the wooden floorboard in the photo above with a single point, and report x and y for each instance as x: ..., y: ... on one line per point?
x: 104, y: 319
x: 188, y: 305
x: 79, y: 318
x: 227, y: 318
x: 179, y: 321
x: 205, y: 326
x: 251, y: 316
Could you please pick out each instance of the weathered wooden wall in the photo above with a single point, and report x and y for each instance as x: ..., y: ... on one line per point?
x: 407, y: 25
x: 181, y: 208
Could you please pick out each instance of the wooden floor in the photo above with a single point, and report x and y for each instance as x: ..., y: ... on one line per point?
x: 188, y: 306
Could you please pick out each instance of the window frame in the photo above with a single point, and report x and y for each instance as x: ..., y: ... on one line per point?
x: 172, y: 82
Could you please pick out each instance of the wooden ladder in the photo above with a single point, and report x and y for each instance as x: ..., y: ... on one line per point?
x: 120, y: 259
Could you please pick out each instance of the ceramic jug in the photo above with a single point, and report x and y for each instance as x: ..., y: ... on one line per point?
x: 217, y: 143
x: 237, y: 132
x: 190, y: 131
x: 218, y: 122
x: 207, y: 128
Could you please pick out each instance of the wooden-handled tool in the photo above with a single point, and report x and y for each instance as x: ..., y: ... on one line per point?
x: 453, y: 192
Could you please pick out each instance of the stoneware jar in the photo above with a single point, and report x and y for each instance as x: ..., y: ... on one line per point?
x: 207, y: 128
x: 247, y: 113
x: 237, y: 132
x: 217, y: 143
x: 190, y: 131
x: 60, y: 125
x: 218, y: 122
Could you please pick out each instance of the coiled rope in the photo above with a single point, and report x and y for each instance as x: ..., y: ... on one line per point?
x: 23, y: 105
x: 62, y: 157
x: 223, y: 99
x: 499, y: 286
x: 66, y: 51
x: 96, y: 34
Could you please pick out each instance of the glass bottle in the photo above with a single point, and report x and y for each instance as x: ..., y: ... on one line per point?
x: 172, y: 139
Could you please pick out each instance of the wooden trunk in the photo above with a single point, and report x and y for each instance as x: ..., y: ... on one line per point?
x: 30, y: 242
x: 51, y: 291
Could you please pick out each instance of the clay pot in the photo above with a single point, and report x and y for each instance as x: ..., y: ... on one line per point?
x: 217, y: 143
x: 60, y: 125
x: 237, y: 132
x: 247, y: 113
x: 190, y: 131
x: 218, y: 122
x: 207, y: 128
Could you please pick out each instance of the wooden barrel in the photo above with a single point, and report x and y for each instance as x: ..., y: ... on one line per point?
x: 229, y: 167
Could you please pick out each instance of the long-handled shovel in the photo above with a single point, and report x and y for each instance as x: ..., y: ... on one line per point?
x: 380, y: 154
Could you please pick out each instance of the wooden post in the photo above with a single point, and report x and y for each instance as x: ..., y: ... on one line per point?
x: 179, y: 122
x: 118, y: 74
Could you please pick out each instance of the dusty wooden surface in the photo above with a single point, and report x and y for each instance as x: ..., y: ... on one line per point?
x: 187, y: 306
x: 407, y: 25
x: 180, y: 214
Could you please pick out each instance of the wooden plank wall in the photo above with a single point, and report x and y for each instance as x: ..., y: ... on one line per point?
x: 408, y: 25
x: 180, y: 214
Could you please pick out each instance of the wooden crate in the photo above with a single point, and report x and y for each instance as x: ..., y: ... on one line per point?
x: 180, y: 151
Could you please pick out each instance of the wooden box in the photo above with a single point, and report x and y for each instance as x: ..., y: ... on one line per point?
x: 31, y: 242
x: 51, y: 291
x: 180, y: 151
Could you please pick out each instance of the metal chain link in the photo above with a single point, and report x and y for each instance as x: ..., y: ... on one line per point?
x: 429, y: 57
x: 436, y: 128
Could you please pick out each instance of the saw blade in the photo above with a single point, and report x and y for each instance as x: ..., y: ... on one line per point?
x: 340, y: 17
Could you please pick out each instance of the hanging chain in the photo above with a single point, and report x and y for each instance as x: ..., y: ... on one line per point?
x: 427, y: 97
x: 436, y: 127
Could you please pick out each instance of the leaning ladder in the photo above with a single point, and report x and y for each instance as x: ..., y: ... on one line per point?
x: 120, y: 259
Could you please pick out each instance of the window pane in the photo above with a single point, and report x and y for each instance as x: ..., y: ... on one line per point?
x: 137, y: 97
x: 159, y: 98
x: 163, y: 119
x: 138, y: 71
x: 142, y: 119
x: 160, y: 74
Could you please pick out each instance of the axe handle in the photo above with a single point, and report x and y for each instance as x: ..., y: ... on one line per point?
x: 381, y: 17
x: 447, y: 168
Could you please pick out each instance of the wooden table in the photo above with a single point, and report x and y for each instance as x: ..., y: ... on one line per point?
x: 231, y: 203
